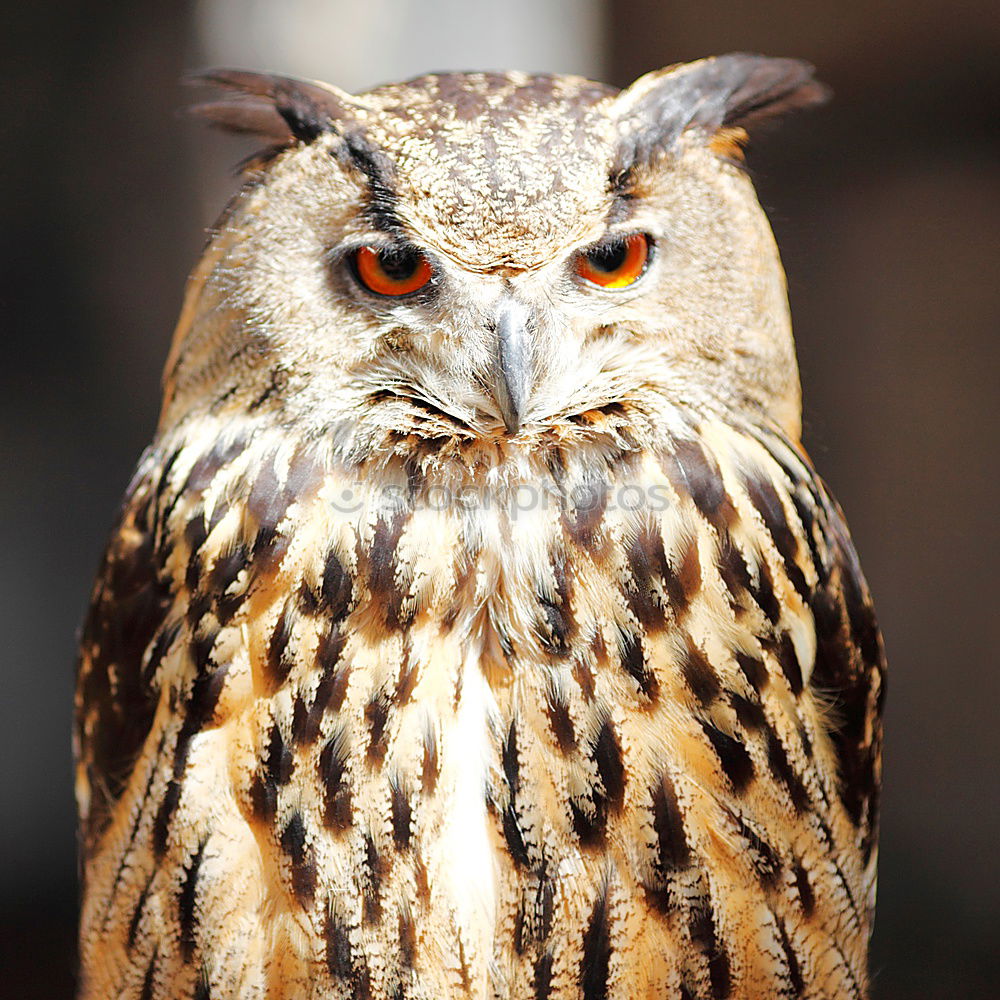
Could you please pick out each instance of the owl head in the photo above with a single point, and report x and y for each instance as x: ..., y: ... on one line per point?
x: 473, y: 257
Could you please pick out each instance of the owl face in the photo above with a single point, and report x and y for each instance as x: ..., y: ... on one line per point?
x: 498, y: 254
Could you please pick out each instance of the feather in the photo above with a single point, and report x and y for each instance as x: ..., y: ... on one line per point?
x: 277, y: 108
x: 726, y: 92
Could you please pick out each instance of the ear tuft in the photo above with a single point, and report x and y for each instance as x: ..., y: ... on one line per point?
x: 280, y: 109
x: 768, y: 88
x: 721, y: 97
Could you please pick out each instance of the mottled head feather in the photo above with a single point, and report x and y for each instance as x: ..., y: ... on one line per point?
x: 721, y: 96
x: 425, y: 140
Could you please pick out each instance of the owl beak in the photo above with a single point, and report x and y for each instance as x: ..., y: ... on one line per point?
x: 512, y: 371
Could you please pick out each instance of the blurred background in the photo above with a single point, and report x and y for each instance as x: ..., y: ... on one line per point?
x: 886, y: 206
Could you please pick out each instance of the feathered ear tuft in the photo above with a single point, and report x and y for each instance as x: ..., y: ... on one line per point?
x: 722, y: 97
x: 280, y: 109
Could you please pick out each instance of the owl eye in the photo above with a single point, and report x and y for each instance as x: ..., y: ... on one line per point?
x: 616, y: 262
x: 394, y: 272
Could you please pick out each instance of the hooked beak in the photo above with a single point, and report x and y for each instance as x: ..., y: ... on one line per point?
x: 512, y: 372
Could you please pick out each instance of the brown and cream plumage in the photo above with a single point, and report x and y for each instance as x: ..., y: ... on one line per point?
x: 494, y: 639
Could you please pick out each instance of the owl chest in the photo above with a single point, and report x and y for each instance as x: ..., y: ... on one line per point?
x: 426, y: 693
x: 442, y: 715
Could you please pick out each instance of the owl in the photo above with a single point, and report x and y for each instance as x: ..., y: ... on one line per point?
x: 475, y: 624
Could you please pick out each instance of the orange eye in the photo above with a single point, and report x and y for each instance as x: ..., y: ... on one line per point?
x: 394, y: 271
x: 616, y: 262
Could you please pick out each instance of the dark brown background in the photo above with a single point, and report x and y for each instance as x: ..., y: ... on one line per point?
x: 887, y: 208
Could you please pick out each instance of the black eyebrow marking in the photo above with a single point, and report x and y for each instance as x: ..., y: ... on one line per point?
x: 379, y: 171
x: 621, y: 184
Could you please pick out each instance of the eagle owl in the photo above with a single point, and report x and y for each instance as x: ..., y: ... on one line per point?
x: 475, y: 624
